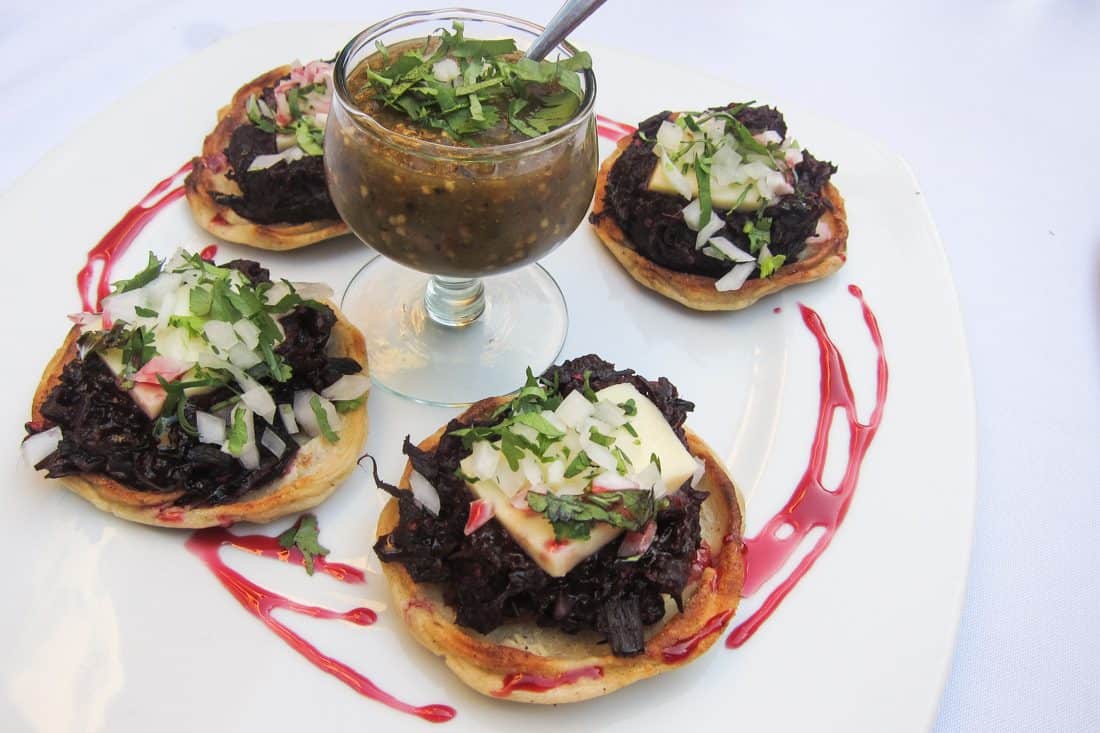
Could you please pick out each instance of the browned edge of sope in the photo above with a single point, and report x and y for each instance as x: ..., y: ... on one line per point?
x: 203, y: 182
x: 486, y: 661
x: 817, y: 260
x: 316, y: 470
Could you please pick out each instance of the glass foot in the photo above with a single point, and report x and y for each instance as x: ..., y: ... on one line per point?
x: 523, y: 325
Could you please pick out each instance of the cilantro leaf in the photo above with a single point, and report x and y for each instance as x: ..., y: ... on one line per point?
x: 304, y: 535
x: 769, y: 265
x: 322, y: 420
x: 573, y: 515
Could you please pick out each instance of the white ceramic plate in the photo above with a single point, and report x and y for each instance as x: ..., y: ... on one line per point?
x: 113, y: 626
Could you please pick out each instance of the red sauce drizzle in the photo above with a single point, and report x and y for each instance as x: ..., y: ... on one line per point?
x: 812, y: 505
x: 93, y: 289
x: 538, y: 683
x: 209, y: 252
x: 261, y: 603
x: 609, y: 129
x: 683, y: 648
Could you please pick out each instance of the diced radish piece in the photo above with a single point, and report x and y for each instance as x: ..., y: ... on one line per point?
x: 425, y: 493
x: 347, y: 387
x: 574, y: 409
x: 211, y: 428
x: 40, y: 445
x: 735, y: 278
x: 519, y: 501
x: 150, y: 398
x: 612, y: 481
x: 87, y: 321
x: 481, y: 511
x: 636, y: 543
x: 164, y: 366
x: 273, y: 442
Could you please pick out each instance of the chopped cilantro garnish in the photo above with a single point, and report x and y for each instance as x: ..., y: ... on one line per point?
x: 322, y: 420
x: 769, y: 265
x: 494, y: 84
x: 306, y: 537
x: 572, y: 515
x: 146, y: 276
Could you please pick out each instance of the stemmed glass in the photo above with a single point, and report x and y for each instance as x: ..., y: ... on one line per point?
x: 455, y: 308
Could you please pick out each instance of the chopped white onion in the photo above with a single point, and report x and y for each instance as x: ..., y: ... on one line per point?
x: 713, y: 225
x: 250, y: 454
x: 678, y: 180
x: 286, y: 412
x: 735, y: 278
x: 303, y: 412
x: 601, y: 456
x: 446, y: 70
x: 698, y: 473
x: 485, y: 459
x: 554, y: 420
x: 510, y: 481
x: 574, y: 409
x: 285, y: 141
x: 648, y: 476
x: 610, y: 413
x: 259, y: 400
x: 691, y: 214
x: 166, y: 309
x: 425, y: 493
x: 313, y: 291
x: 244, y: 357
x: 220, y: 334
x: 555, y: 472
x: 277, y: 292
x: 211, y: 428
x: 262, y: 162
x: 670, y: 136
x: 347, y: 387
x: 730, y: 250
x: 273, y: 442
x: 531, y: 468
x: 36, y: 447
x: 612, y: 481
x: 248, y: 331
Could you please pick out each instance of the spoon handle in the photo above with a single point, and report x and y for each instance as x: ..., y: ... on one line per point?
x: 571, y: 14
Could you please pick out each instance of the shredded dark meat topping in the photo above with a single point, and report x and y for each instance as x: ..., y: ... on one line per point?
x: 104, y: 431
x: 653, y: 221
x: 488, y: 578
x: 285, y: 193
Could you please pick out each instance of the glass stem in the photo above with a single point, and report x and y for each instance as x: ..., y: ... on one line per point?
x: 454, y: 302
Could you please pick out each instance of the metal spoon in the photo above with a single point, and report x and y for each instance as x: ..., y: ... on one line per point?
x: 571, y: 15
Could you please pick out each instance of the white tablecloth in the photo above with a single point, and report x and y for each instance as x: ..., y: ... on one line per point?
x: 996, y: 106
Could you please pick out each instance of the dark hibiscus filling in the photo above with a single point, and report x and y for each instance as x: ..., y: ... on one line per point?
x: 487, y: 577
x: 653, y: 221
x: 289, y: 192
x: 103, y: 431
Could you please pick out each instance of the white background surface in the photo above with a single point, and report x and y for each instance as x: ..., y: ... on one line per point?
x: 995, y: 106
